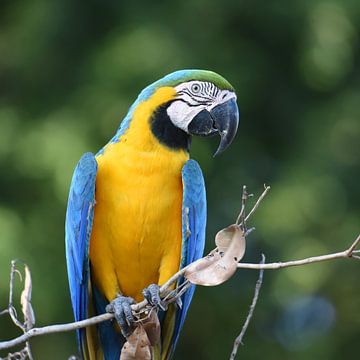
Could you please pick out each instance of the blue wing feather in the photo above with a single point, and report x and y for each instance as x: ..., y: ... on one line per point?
x: 193, y: 231
x: 78, y: 225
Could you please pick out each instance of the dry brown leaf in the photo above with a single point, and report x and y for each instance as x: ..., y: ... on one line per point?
x: 146, y: 335
x: 25, y: 299
x: 221, y: 264
x: 152, y: 328
x: 203, y: 263
x: 137, y: 346
x: 224, y: 237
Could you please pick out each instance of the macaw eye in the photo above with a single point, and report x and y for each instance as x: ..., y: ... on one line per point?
x: 195, y: 88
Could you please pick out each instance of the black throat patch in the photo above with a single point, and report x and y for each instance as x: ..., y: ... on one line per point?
x: 166, y: 132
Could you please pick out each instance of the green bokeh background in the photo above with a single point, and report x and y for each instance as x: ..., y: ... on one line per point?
x: 70, y: 70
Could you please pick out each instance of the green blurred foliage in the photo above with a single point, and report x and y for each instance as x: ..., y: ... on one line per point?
x: 70, y: 70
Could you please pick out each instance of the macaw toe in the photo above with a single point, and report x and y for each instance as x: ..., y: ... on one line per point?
x: 121, y: 308
x: 152, y: 295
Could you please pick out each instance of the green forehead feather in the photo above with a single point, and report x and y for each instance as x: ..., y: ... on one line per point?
x: 181, y: 76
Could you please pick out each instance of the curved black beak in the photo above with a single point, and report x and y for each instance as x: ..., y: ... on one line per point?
x: 222, y: 119
x: 226, y: 118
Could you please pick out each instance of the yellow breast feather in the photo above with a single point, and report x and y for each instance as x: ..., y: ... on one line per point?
x: 136, y: 234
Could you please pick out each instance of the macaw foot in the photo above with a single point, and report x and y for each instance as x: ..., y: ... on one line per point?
x: 152, y: 295
x: 121, y: 308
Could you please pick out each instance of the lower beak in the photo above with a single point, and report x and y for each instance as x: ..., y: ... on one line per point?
x: 222, y: 119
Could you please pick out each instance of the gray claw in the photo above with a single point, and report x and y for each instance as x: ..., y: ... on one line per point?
x: 152, y: 295
x: 121, y: 308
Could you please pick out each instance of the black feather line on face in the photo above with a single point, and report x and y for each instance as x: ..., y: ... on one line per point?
x: 208, y: 87
x: 166, y: 132
x: 188, y: 104
x: 207, y: 100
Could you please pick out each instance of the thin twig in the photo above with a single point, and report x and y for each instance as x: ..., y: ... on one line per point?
x: 5, y: 311
x: 241, y: 217
x: 349, y: 253
x: 19, y: 355
x: 351, y: 249
x: 240, y: 337
x: 11, y: 308
x: 177, y: 292
x: 27, y: 311
x: 259, y: 200
x: 52, y: 329
x: 28, y: 350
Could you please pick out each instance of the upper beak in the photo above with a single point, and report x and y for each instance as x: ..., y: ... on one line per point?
x: 226, y: 121
x: 222, y: 119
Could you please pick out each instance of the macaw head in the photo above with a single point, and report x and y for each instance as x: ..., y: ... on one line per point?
x: 204, y: 105
x: 192, y: 102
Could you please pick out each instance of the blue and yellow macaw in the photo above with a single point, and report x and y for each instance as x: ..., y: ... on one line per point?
x: 137, y: 209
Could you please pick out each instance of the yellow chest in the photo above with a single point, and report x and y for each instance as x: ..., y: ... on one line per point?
x: 136, y: 235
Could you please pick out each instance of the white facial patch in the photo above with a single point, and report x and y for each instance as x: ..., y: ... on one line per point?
x: 192, y: 98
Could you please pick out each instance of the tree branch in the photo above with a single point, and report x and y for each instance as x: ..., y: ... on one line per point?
x: 348, y: 253
x: 238, y: 340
